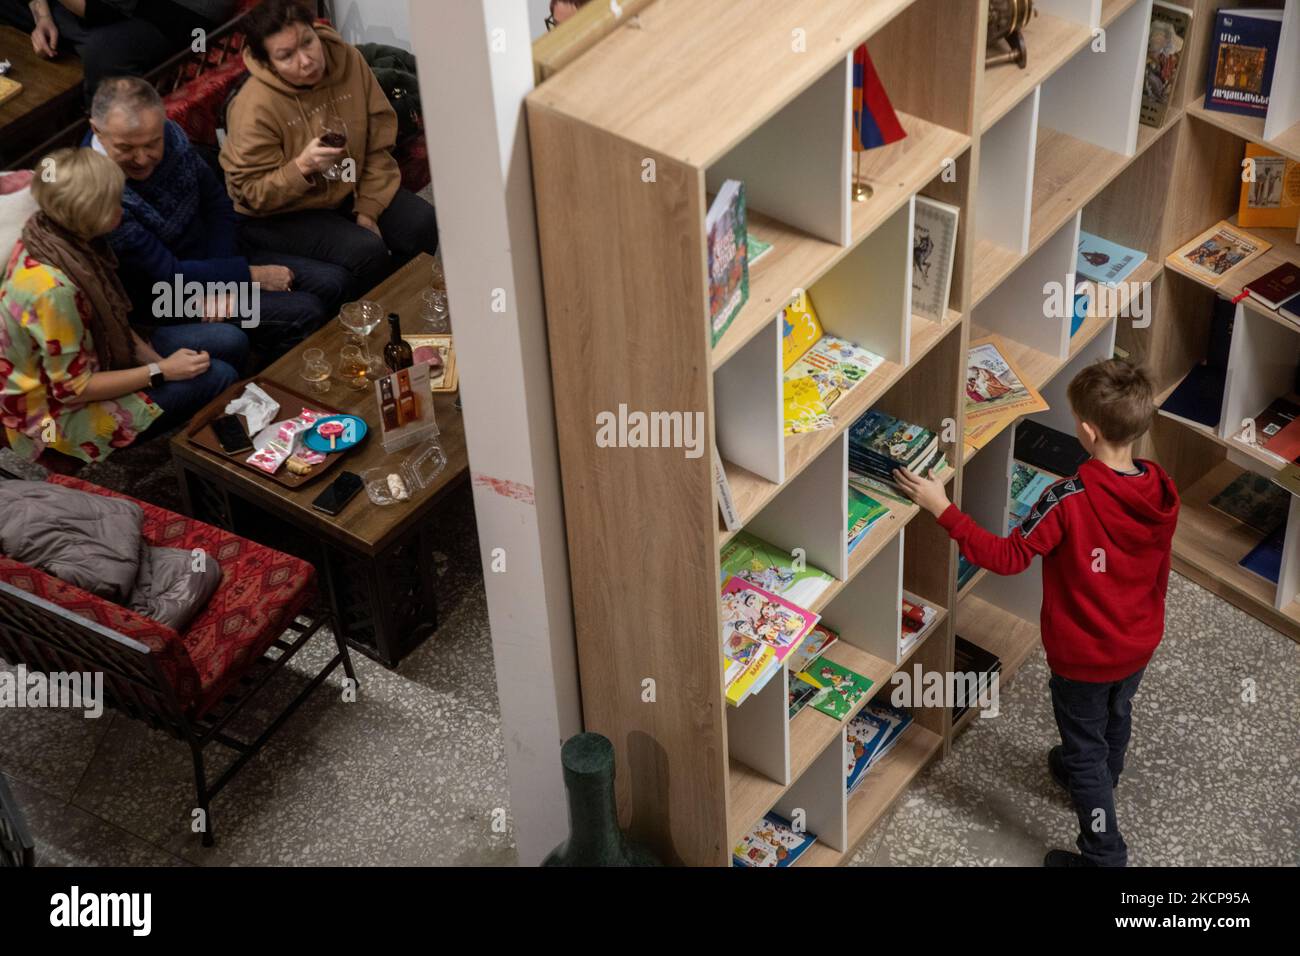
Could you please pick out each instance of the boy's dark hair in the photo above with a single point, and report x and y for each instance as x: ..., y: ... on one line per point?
x: 1116, y: 398
x: 270, y: 17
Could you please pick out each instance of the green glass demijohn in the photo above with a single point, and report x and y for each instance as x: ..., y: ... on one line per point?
x: 594, y: 836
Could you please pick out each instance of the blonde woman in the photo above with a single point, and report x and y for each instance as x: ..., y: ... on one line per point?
x: 74, y: 377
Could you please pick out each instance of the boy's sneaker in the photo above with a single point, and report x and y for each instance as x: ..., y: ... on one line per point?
x: 1056, y: 767
x: 1065, y: 858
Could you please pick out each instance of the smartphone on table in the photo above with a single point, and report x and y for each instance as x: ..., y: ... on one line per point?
x: 232, y: 434
x: 332, y: 499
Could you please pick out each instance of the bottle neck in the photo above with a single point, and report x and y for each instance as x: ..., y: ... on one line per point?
x: 394, y: 328
x: 593, y: 817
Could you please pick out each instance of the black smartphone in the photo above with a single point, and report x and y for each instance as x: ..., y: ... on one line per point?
x: 231, y: 434
x: 333, y: 498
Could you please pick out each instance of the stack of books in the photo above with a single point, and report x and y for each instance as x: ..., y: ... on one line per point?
x: 771, y: 842
x: 864, y: 512
x: 759, y: 631
x: 869, y: 736
x: 972, y: 659
x: 880, y: 443
x: 836, y: 689
x: 764, y: 565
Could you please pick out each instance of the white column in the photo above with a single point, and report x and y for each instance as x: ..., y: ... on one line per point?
x: 475, y: 70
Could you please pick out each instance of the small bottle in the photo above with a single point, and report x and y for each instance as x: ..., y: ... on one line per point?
x: 397, y: 353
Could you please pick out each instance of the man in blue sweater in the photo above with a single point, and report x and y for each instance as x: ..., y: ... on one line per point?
x: 178, y: 227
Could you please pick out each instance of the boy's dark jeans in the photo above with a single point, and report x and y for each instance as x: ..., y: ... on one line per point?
x: 1095, y: 721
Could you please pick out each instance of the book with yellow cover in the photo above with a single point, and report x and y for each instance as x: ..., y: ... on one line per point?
x: 996, y: 393
x: 800, y: 330
x: 1217, y: 253
x: 804, y: 409
x: 1270, y: 193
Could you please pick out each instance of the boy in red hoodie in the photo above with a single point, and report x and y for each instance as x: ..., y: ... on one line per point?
x: 1104, y: 535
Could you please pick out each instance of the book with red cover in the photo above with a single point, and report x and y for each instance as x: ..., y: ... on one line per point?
x: 1286, y: 443
x: 1275, y: 287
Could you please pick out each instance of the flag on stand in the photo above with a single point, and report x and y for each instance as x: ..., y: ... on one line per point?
x: 874, y: 121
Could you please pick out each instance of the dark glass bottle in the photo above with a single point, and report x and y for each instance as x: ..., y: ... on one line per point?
x: 397, y: 353
x: 594, y: 836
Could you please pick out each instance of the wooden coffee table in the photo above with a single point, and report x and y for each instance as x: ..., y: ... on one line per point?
x: 50, y: 98
x: 376, y: 563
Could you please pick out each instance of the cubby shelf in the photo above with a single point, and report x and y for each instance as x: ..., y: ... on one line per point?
x: 1249, y: 128
x: 1284, y: 249
x: 1052, y: 41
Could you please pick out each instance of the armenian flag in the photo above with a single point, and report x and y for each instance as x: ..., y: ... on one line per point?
x: 874, y: 121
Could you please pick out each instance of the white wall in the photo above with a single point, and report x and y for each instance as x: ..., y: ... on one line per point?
x: 376, y: 21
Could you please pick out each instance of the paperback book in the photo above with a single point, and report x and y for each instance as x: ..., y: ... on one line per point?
x: 1218, y: 253
x: 843, y: 687
x: 1027, y: 486
x: 1243, y: 56
x: 835, y: 367
x: 1265, y: 559
x: 1255, y: 501
x: 869, y: 736
x: 934, y: 247
x: 1105, y: 262
x: 724, y: 227
x: 801, y: 329
x: 771, y: 842
x: 1280, y: 413
x: 1285, y: 445
x: 802, y: 407
x: 917, y: 617
x: 750, y: 558
x: 1167, y: 40
x: 996, y: 393
x: 880, y: 443
x: 864, y: 511
x: 1270, y: 191
x: 759, y: 630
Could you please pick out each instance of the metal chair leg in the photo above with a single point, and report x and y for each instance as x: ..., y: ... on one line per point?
x: 201, y: 785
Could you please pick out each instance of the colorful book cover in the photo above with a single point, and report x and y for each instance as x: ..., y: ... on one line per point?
x: 750, y: 558
x: 1255, y: 501
x: 1270, y: 191
x: 1286, y: 443
x: 772, y: 842
x: 863, y: 734
x: 801, y: 694
x: 1165, y: 44
x: 802, y: 407
x: 864, y: 511
x: 1082, y: 303
x: 800, y: 330
x: 812, y: 647
x: 728, y: 256
x: 1105, y: 262
x: 757, y: 248
x: 1243, y: 55
x: 996, y: 394
x: 836, y: 366
x: 884, y: 442
x: 877, y: 488
x: 1218, y: 252
x: 1027, y: 486
x: 934, y: 247
x: 759, y: 629
x: 915, y: 618
x: 844, y: 687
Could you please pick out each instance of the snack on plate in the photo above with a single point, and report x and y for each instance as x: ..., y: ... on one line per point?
x: 297, y: 466
x: 397, y: 487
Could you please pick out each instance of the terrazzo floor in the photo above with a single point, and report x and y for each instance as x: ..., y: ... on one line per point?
x: 413, y: 772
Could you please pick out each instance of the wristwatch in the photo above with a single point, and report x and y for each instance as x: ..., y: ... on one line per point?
x: 156, y: 376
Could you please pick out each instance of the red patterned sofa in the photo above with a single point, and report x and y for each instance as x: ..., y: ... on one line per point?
x: 189, y: 684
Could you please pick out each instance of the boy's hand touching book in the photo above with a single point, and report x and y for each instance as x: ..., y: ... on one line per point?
x: 926, y: 492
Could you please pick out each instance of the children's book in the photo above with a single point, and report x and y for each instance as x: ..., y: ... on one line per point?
x: 757, y: 248
x: 800, y: 330
x: 802, y: 694
x: 750, y: 558
x: 869, y: 737
x: 996, y: 393
x: 916, y: 619
x: 1218, y: 253
x: 1105, y: 262
x: 813, y: 646
x: 759, y: 630
x: 934, y: 247
x: 1255, y: 501
x: 878, y: 489
x: 771, y: 842
x: 1243, y: 55
x: 836, y: 366
x: 1270, y: 191
x: 844, y: 688
x: 726, y: 501
x: 1167, y: 40
x: 864, y: 511
x: 1265, y: 559
x: 802, y: 407
x: 1027, y: 486
x: 728, y: 256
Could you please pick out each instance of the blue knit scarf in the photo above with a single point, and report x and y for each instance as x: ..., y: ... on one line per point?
x: 166, y: 202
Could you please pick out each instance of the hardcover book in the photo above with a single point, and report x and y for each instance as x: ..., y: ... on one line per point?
x: 1274, y: 288
x: 1286, y: 443
x: 1255, y: 501
x: 934, y: 246
x: 1270, y: 192
x: 1167, y: 39
x: 771, y: 842
x: 759, y: 630
x: 1048, y: 450
x: 724, y: 227
x: 800, y: 330
x: 1290, y: 309
x: 996, y: 394
x: 750, y: 558
x: 1243, y: 55
x: 1265, y: 559
x: 1218, y: 252
x: 1199, y: 396
x: 1105, y: 262
x: 1280, y: 413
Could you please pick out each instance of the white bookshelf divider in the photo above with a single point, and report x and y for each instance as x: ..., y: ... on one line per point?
x: 819, y: 794
x: 1288, y: 578
x: 1095, y: 96
x: 758, y: 731
x: 1016, y: 309
x: 1261, y: 366
x: 795, y: 166
x: 1087, y: 12
x: 866, y: 611
x: 1005, y: 192
x: 866, y: 297
x: 748, y: 411
x: 811, y: 512
x: 1284, y: 97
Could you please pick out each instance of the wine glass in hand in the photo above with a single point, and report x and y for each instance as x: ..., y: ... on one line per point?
x: 334, y: 134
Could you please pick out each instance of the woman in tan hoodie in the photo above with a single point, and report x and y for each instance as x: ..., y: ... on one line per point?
x: 276, y: 165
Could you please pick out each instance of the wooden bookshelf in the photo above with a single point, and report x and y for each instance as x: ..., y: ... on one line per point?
x: 760, y: 90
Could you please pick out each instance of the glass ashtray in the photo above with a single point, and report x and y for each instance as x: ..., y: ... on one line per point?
x: 387, y: 485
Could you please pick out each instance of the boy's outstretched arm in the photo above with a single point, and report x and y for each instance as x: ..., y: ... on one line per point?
x: 1009, y: 555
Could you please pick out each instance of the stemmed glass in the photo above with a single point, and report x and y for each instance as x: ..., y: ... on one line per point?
x: 360, y: 319
x: 334, y: 134
x: 316, y: 371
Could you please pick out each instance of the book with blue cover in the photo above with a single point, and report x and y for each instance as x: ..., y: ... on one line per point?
x: 1199, y: 397
x: 1265, y: 559
x: 1243, y: 57
x: 1105, y: 262
x: 772, y: 841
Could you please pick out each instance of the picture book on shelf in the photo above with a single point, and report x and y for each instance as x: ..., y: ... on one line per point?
x: 1105, y: 262
x: 759, y: 630
x: 1027, y: 486
x: 934, y: 247
x: 1218, y: 252
x: 1265, y: 559
x: 880, y: 443
x: 801, y: 329
x: 1275, y: 287
x: 869, y: 736
x: 1170, y: 25
x: 996, y: 393
x: 864, y: 511
x: 1243, y: 55
x: 1270, y: 190
x: 750, y: 558
x: 1047, y: 449
x: 802, y: 407
x: 724, y: 227
x: 916, y: 617
x: 836, y: 366
x: 771, y: 842
x: 1255, y: 501
x: 880, y: 490
x: 756, y: 248
x: 812, y: 647
x: 844, y: 688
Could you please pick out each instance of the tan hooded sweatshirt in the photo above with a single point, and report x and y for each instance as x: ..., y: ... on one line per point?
x: 270, y: 122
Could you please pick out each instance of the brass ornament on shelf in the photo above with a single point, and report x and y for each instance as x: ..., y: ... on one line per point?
x: 1007, y: 20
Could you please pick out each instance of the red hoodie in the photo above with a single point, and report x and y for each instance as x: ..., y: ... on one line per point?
x: 1105, y: 538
